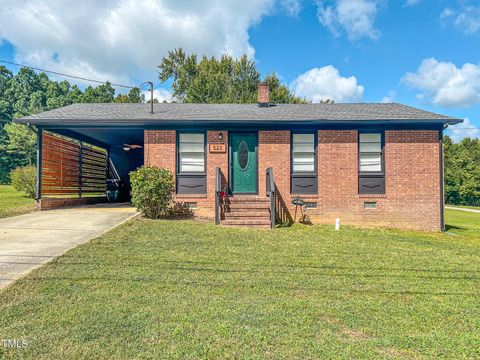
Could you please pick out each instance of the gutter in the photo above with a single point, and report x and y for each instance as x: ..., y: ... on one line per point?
x: 442, y: 180
x: 224, y: 122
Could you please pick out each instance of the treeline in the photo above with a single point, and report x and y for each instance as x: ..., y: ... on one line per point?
x: 204, y: 80
x: 26, y: 93
x: 462, y: 172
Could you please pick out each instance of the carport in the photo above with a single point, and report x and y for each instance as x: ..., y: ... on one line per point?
x: 76, y: 164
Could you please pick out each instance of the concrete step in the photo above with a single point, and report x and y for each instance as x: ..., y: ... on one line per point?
x: 248, y: 226
x: 247, y: 221
x: 249, y: 213
x: 238, y: 200
x: 249, y: 205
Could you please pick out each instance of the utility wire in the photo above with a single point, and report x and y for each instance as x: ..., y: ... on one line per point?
x: 121, y: 85
x: 66, y: 75
x: 462, y: 129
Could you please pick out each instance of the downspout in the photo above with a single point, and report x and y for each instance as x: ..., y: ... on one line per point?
x: 442, y: 187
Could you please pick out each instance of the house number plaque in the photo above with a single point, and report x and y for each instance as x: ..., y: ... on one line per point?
x: 217, y: 148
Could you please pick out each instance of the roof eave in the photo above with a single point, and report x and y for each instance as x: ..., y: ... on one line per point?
x: 153, y: 122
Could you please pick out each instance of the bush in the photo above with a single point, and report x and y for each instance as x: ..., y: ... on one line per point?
x: 152, y: 190
x: 24, y: 179
x: 179, y: 211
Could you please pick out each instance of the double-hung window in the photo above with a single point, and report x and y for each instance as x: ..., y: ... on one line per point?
x: 191, y: 177
x: 303, y: 153
x: 371, y: 166
x: 370, y: 152
x: 191, y: 153
x: 304, y: 169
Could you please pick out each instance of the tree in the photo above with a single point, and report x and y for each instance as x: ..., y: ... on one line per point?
x: 462, y: 171
x: 104, y: 93
x: 212, y: 80
x: 279, y: 93
x: 26, y: 93
x: 21, y: 143
x: 133, y: 96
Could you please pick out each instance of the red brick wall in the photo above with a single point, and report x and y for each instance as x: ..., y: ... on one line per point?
x: 160, y: 150
x: 54, y: 203
x: 412, y: 198
x: 274, y: 152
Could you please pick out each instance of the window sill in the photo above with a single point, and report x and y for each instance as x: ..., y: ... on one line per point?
x: 192, y: 174
x: 304, y: 174
x: 369, y: 196
x: 305, y: 196
x: 372, y: 174
x: 190, y: 196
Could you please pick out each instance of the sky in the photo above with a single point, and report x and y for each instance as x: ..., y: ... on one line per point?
x: 423, y: 53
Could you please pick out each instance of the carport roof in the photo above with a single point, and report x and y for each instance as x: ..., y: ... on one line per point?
x: 113, y: 114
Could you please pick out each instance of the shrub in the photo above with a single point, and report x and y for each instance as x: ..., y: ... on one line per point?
x: 179, y: 211
x: 24, y: 179
x: 152, y: 190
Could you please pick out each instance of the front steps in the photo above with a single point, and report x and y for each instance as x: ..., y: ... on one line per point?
x: 248, y: 211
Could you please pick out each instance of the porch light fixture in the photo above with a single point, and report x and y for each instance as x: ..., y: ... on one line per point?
x: 220, y: 136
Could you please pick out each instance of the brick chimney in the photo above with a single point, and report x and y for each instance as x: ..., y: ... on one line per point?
x: 263, y: 94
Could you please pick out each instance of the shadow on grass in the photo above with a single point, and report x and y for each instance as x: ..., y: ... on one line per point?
x: 453, y: 227
x: 159, y: 279
x: 66, y: 260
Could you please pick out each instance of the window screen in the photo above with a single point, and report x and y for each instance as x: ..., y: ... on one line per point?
x: 191, y: 151
x: 303, y: 153
x: 370, y: 153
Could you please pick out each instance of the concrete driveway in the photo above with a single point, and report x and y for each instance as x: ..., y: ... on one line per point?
x: 30, y: 240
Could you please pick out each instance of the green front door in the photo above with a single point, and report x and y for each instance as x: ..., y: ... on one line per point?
x: 243, y: 159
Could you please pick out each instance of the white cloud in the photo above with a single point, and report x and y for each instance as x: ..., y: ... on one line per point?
x: 327, y: 83
x: 466, y: 19
x: 444, y: 84
x: 355, y: 17
x: 412, y: 2
x: 389, y: 98
x: 292, y: 7
x: 124, y: 39
x: 160, y: 94
x: 463, y: 130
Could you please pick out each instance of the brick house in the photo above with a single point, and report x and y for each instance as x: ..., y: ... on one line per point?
x: 366, y: 164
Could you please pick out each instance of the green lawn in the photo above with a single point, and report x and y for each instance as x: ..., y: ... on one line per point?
x: 13, y: 202
x: 184, y: 289
x: 465, y: 207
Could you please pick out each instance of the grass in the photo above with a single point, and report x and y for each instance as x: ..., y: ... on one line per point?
x: 184, y: 289
x: 462, y: 223
x: 13, y: 202
x: 466, y: 207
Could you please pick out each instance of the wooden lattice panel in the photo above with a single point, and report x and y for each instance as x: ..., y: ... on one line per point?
x: 71, y: 167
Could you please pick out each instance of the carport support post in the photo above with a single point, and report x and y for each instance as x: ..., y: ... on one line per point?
x: 39, y: 164
x: 80, y: 169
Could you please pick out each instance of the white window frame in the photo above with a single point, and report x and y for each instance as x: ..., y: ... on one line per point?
x: 180, y: 153
x: 313, y: 153
x: 366, y: 152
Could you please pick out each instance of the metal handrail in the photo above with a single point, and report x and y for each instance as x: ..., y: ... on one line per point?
x: 270, y: 187
x: 218, y: 189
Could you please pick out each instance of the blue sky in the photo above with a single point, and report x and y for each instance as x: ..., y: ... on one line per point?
x: 422, y: 53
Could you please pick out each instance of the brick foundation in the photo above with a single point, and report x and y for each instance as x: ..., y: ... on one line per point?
x: 54, y: 203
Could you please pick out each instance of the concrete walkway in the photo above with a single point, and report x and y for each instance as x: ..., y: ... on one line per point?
x: 30, y: 240
x: 462, y: 209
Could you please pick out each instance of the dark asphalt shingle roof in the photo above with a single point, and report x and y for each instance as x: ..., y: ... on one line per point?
x: 81, y: 114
